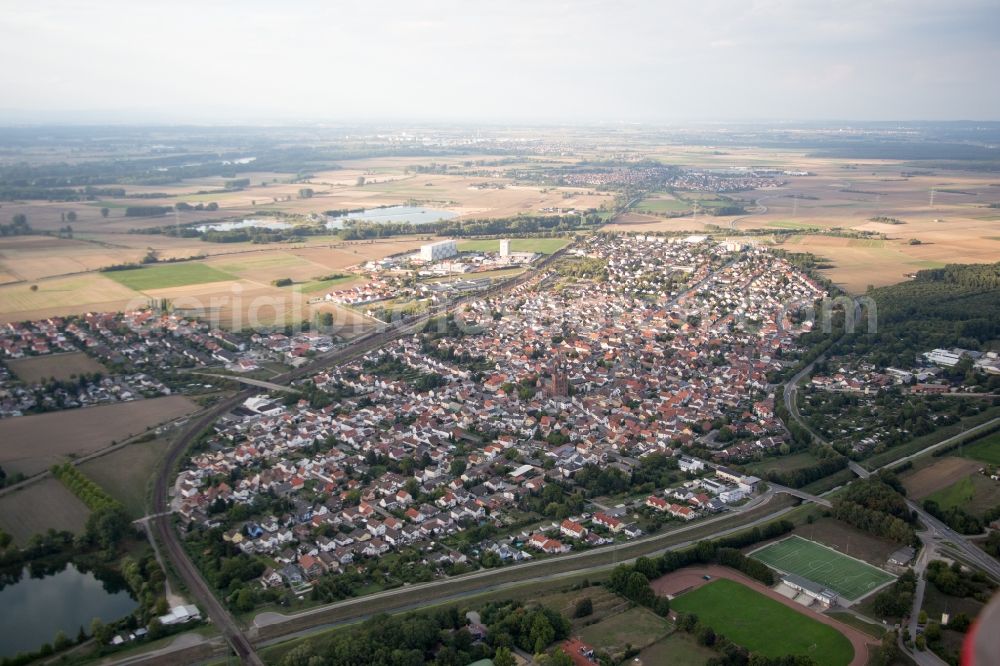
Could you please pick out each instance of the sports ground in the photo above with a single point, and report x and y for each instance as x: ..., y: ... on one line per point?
x: 764, y: 625
x: 848, y: 577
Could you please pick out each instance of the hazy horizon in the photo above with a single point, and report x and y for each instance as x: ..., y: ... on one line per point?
x: 515, y: 62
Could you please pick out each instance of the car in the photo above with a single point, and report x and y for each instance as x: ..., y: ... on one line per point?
x: 707, y: 577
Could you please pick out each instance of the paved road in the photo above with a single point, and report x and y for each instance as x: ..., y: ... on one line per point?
x: 250, y: 381
x: 936, y: 536
x: 761, y: 209
x: 801, y: 494
x: 792, y: 387
x: 965, y: 434
x: 594, y: 560
x: 921, y: 657
x: 937, y: 529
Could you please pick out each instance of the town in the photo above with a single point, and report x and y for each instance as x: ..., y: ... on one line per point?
x: 506, y: 420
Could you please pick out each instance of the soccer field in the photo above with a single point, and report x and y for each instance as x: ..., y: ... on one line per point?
x: 848, y: 577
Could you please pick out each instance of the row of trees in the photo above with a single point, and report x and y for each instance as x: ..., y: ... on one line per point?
x: 632, y: 581
x: 954, y: 517
x: 829, y: 463
x: 18, y: 226
x: 85, y: 489
x: 438, y: 638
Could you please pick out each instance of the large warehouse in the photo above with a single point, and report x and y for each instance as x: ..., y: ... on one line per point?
x: 439, y: 250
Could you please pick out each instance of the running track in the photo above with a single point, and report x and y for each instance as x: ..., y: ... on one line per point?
x: 691, y: 577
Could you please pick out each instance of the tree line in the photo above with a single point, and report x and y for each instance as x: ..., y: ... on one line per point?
x: 829, y: 463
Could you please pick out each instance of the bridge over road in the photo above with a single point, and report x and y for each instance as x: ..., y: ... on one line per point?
x: 250, y: 381
x: 801, y: 494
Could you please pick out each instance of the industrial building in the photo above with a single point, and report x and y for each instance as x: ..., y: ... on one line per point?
x: 438, y: 251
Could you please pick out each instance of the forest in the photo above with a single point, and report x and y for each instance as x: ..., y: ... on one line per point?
x: 954, y: 306
x: 877, y: 505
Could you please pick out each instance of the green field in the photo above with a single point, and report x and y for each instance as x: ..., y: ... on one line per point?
x: 323, y: 285
x: 791, y: 224
x: 763, y: 625
x: 125, y: 473
x: 637, y: 627
x: 540, y: 245
x: 677, y: 649
x: 975, y: 494
x: 786, y: 463
x: 852, y: 620
x: 168, y: 275
x: 986, y: 449
x: 959, y: 493
x: 848, y: 577
x: 657, y: 205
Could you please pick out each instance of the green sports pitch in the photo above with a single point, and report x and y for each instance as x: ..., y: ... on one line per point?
x: 848, y: 577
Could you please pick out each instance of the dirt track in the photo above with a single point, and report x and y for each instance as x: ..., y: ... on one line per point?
x: 691, y: 578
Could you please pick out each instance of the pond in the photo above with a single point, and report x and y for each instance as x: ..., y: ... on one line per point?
x: 411, y: 214
x: 245, y: 224
x: 34, y: 609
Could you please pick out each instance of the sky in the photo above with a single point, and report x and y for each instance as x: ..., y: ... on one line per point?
x: 662, y: 61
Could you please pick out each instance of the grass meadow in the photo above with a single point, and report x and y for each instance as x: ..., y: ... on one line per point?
x: 764, y: 625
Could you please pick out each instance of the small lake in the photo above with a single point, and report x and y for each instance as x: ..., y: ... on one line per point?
x: 411, y: 214
x: 245, y: 224
x: 33, y: 610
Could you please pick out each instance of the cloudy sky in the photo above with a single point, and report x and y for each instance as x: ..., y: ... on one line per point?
x: 503, y: 60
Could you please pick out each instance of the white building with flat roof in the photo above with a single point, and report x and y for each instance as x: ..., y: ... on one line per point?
x: 438, y: 251
x: 505, y: 248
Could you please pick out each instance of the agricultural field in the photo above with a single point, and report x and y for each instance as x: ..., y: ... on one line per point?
x: 974, y: 493
x: 61, y: 296
x: 764, y: 625
x: 125, y: 473
x: 636, y: 627
x: 677, y: 649
x: 34, y: 443
x: 661, y: 203
x: 56, y: 366
x: 38, y: 507
x: 791, y: 224
x: 952, y: 226
x: 168, y: 275
x: 940, y: 474
x: 986, y: 449
x: 858, y: 263
x: 328, y: 284
x: 540, y: 245
x: 848, y: 577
